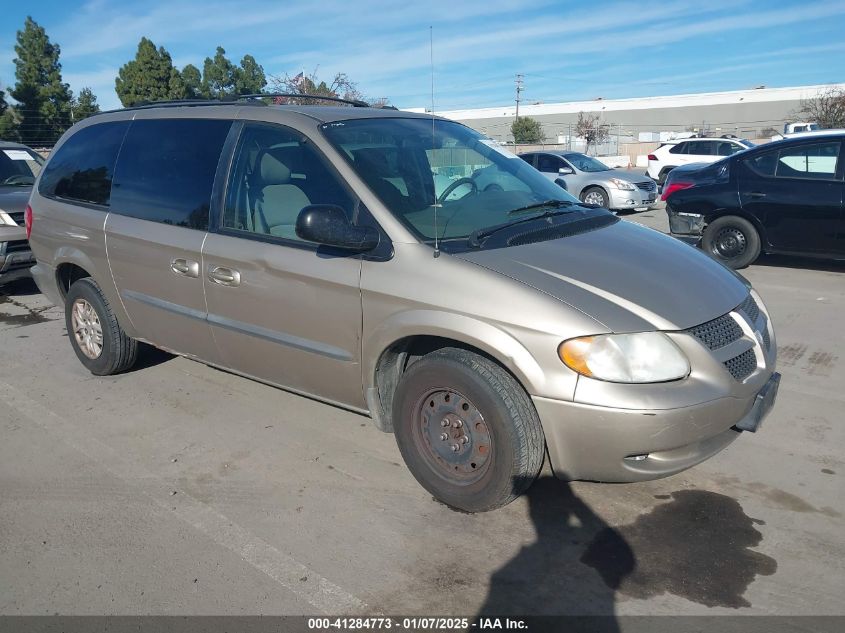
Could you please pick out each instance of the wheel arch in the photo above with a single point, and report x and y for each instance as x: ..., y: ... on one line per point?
x: 395, y: 346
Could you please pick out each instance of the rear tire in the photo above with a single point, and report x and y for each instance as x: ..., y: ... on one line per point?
x: 467, y: 430
x: 732, y: 240
x: 95, y: 335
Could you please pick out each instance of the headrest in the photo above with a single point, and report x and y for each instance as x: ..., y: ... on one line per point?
x: 374, y: 160
x: 273, y: 171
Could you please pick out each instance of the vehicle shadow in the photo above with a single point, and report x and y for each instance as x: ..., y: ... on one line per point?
x: 547, y: 577
x: 149, y: 356
x: 806, y: 263
x: 19, y: 288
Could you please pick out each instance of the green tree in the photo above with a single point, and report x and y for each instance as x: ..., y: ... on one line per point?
x: 84, y: 105
x: 218, y: 75
x: 249, y: 78
x: 151, y: 76
x: 192, y: 79
x: 8, y: 121
x: 44, y: 100
x: 526, y: 130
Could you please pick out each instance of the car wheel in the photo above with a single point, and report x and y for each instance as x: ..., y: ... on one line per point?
x: 467, y: 430
x: 595, y: 195
x: 98, y: 340
x: 732, y: 240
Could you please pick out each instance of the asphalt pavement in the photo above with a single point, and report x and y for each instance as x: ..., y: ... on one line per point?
x: 180, y: 489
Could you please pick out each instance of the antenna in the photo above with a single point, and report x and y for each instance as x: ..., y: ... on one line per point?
x: 433, y: 189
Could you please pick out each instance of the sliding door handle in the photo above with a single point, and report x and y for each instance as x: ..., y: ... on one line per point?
x: 224, y: 276
x: 185, y: 267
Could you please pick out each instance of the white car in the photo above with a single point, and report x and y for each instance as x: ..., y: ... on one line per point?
x: 691, y: 150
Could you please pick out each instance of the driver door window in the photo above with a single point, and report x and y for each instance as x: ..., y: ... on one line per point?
x: 277, y: 173
x: 549, y: 164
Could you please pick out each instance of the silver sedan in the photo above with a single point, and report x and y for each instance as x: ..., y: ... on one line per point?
x: 593, y: 182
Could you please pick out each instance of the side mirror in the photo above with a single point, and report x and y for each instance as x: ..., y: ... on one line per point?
x: 565, y: 171
x: 327, y: 224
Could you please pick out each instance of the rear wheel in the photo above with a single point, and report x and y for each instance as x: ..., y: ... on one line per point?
x: 97, y: 338
x: 732, y: 240
x: 467, y: 430
x: 595, y: 195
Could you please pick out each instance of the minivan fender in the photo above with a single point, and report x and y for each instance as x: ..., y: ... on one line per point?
x: 493, y: 341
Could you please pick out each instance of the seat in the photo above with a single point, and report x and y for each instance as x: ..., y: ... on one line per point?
x: 277, y: 202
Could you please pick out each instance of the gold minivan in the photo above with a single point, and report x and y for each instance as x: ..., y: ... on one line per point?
x: 408, y: 268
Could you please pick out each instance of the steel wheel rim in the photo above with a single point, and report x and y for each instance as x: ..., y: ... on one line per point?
x: 87, y: 330
x: 445, y: 419
x: 594, y: 197
x: 730, y: 242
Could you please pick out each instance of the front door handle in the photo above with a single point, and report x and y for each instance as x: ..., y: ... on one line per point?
x: 224, y: 276
x: 185, y: 267
x: 757, y: 194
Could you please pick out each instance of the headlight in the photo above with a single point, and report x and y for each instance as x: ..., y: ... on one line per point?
x: 632, y: 358
x: 622, y: 184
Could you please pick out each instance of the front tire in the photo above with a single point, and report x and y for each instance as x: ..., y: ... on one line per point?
x: 95, y: 335
x: 467, y: 430
x: 732, y: 240
x: 595, y: 195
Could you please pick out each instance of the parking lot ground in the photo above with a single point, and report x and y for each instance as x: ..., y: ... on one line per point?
x: 180, y: 489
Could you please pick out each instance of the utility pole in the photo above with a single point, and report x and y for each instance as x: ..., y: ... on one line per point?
x: 519, y: 89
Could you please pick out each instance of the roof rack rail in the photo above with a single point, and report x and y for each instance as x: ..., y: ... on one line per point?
x: 356, y: 103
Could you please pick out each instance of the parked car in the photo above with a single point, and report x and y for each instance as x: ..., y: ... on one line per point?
x: 19, y: 166
x: 593, y: 182
x: 687, y: 151
x: 304, y: 246
x: 782, y: 197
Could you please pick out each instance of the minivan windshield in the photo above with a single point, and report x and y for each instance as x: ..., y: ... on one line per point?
x: 442, y: 178
x: 19, y: 166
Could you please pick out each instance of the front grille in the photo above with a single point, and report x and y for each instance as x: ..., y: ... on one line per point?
x: 724, y: 330
x: 17, y: 217
x: 742, y: 366
x: 17, y: 246
x: 647, y: 185
x: 718, y: 332
x: 751, y: 309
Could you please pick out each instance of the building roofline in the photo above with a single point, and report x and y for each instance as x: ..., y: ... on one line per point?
x: 756, y: 95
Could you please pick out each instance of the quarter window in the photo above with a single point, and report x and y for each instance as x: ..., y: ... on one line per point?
x: 277, y: 172
x: 166, y: 170
x: 680, y: 148
x: 82, y: 168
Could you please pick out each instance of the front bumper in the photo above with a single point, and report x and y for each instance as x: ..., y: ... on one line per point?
x: 15, y: 256
x: 622, y: 445
x: 636, y: 200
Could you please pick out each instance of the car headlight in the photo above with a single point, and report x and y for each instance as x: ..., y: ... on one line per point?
x: 633, y: 358
x: 622, y: 184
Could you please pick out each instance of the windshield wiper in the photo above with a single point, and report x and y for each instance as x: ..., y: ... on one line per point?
x: 474, y: 238
x: 538, y: 205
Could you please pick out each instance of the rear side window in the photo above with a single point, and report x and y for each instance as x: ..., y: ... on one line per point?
x: 82, y: 168
x: 680, y: 148
x: 166, y: 170
x: 809, y: 161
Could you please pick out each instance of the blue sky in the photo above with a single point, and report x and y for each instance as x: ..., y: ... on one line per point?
x: 566, y: 50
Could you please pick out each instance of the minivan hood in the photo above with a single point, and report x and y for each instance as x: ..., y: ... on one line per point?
x: 14, y: 199
x: 626, y: 276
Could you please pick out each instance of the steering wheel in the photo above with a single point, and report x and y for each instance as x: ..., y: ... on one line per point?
x: 17, y: 179
x: 455, y: 185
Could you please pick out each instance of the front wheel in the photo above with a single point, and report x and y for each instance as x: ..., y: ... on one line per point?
x: 467, y: 430
x: 596, y: 196
x: 732, y: 240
